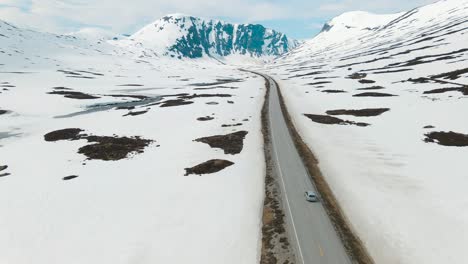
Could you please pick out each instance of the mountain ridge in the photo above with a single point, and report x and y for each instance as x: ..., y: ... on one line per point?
x: 185, y: 36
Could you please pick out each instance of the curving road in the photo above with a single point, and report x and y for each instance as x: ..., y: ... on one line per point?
x: 310, y: 228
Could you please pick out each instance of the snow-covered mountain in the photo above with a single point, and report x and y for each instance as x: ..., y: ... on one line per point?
x: 185, y: 36
x: 382, y: 101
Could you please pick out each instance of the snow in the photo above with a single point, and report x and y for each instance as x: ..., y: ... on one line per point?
x: 361, y: 20
x: 94, y: 34
x: 405, y: 198
x: 137, y: 210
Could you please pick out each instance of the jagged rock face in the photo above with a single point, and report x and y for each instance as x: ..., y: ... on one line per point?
x: 192, y: 37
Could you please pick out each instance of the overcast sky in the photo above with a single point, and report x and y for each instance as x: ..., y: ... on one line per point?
x: 298, y: 18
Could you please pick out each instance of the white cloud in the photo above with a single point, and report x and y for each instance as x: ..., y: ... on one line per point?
x: 127, y: 16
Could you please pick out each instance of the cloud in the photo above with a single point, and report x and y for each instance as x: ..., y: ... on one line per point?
x: 125, y: 16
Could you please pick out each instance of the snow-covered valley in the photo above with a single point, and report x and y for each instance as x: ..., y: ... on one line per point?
x: 131, y: 201
x: 129, y: 150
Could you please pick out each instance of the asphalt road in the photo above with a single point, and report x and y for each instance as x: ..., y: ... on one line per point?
x: 311, y: 230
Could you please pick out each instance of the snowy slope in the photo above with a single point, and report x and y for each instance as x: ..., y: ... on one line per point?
x: 136, y: 209
x: 404, y: 195
x: 185, y: 36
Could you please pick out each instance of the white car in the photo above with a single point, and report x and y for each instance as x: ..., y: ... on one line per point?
x: 311, y: 196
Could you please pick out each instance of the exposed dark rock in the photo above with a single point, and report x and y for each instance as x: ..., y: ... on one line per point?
x: 366, y: 81
x: 359, y: 112
x: 67, y: 178
x: 231, y: 143
x: 74, y: 95
x: 218, y: 82
x: 357, y: 75
x: 331, y: 120
x: 104, y: 147
x: 131, y: 85
x: 61, y: 88
x: 63, y: 134
x: 373, y: 94
x: 208, y: 167
x: 136, y: 113
x: 231, y: 125
x: 463, y: 90
x: 4, y: 175
x: 203, y: 96
x: 205, y: 118
x: 125, y: 107
x: 428, y: 127
x: 136, y: 96
x: 325, y: 119
x: 372, y: 88
x: 334, y: 91
x: 453, y: 75
x: 175, y: 102
x: 113, y: 148
x: 318, y: 83
x: 447, y: 138
x: 3, y: 167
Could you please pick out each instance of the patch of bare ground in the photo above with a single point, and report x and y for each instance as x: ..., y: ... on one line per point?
x: 231, y: 143
x: 175, y: 102
x: 333, y: 91
x: 63, y: 134
x: 231, y: 125
x: 2, y: 112
x: 353, y: 245
x: 135, y: 113
x: 357, y: 76
x: 131, y: 85
x: 208, y: 167
x: 364, y: 81
x: 372, y: 88
x: 141, y: 97
x: 218, y: 82
x: 74, y: 95
x: 450, y: 138
x: 125, y: 108
x: 428, y: 127
x: 2, y: 168
x: 203, y: 96
x: 113, y: 148
x: 331, y: 120
x: 374, y: 94
x: 452, y: 75
x: 71, y: 177
x: 392, y: 71
x: 463, y: 90
x: 359, y: 112
x: 217, y: 87
x: 318, y: 83
x: 103, y: 147
x: 205, y: 118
